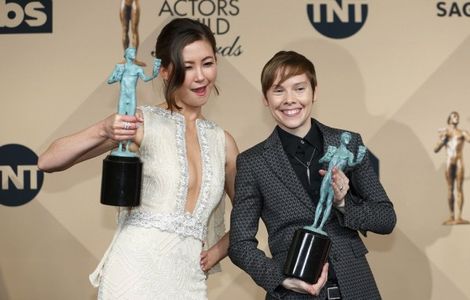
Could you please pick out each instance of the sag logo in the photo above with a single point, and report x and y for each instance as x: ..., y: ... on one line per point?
x: 337, y: 19
x: 20, y: 179
x: 23, y: 16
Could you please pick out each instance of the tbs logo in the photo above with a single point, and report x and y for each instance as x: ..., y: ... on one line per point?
x: 20, y: 179
x: 23, y: 16
x: 337, y: 19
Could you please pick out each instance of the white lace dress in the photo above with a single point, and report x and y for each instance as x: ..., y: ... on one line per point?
x: 155, y: 251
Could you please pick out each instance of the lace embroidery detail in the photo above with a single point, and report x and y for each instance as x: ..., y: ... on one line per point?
x: 184, y: 224
x: 180, y: 153
x: 176, y: 115
x: 202, y: 125
x: 206, y: 172
x: 184, y: 174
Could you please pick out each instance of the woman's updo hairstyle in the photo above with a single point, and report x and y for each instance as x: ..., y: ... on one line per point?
x: 171, y: 41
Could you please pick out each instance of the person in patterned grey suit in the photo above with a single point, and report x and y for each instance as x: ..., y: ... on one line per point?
x: 273, y: 183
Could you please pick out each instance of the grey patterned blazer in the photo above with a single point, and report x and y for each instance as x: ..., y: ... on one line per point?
x: 267, y: 187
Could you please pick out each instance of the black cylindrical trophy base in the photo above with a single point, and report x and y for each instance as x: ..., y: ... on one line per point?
x: 121, y: 181
x: 308, y: 253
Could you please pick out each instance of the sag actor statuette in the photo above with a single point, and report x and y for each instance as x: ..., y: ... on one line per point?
x: 311, y: 245
x: 122, y: 169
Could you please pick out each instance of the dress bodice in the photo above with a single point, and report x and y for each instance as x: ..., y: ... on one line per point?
x: 165, y: 173
x: 163, y: 197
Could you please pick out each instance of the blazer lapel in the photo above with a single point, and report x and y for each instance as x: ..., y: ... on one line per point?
x: 277, y: 160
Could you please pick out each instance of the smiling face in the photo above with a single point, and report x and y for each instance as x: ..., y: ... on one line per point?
x: 291, y: 102
x: 185, y: 46
x: 199, y: 75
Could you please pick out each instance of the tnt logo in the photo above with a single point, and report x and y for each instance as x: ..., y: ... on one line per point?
x: 23, y: 16
x: 20, y: 179
x: 337, y: 19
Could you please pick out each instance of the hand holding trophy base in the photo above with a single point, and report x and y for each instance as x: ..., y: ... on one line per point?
x: 307, y: 254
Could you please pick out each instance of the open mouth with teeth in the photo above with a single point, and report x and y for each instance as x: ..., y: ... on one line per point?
x: 291, y: 112
x: 201, y: 91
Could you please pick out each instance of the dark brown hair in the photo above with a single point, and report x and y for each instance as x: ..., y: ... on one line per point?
x: 171, y: 41
x: 287, y: 64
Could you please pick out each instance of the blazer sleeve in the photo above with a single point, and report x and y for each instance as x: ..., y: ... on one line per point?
x: 367, y: 206
x: 244, y: 220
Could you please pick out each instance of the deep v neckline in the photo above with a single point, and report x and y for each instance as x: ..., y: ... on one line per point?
x: 202, y: 126
x: 198, y: 170
x: 206, y: 171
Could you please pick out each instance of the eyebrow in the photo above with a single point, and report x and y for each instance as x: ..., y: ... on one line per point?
x: 295, y: 84
x: 205, y: 58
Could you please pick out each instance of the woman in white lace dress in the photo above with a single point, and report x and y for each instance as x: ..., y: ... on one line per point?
x: 189, y: 165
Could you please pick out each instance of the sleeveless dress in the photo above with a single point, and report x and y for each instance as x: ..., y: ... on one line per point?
x: 155, y: 252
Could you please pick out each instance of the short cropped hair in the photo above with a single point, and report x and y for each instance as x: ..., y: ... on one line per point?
x: 287, y: 64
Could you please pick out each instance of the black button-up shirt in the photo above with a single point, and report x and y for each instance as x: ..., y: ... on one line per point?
x: 306, y: 149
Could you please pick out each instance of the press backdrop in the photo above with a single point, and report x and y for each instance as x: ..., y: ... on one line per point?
x: 391, y: 70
